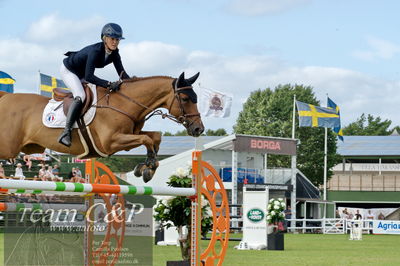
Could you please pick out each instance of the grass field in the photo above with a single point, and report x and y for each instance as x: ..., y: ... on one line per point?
x: 301, y: 249
x: 308, y: 249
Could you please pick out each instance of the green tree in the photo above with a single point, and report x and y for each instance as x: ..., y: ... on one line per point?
x: 217, y: 132
x: 269, y: 113
x: 368, y: 126
x: 209, y: 132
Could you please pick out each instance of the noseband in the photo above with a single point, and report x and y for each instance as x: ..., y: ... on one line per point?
x: 181, y: 119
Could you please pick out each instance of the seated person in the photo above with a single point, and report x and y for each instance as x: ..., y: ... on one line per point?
x: 2, y: 174
x: 56, y: 173
x: 42, y: 173
x: 49, y: 174
x: 18, y: 172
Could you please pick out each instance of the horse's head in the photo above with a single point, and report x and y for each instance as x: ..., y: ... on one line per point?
x: 184, y: 105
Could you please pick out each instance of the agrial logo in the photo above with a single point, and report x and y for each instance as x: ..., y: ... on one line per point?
x: 255, y: 215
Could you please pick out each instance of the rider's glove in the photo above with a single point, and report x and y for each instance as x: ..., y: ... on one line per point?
x: 114, y: 86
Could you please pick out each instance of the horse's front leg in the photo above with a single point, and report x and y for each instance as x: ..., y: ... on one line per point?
x: 129, y: 141
x: 151, y: 160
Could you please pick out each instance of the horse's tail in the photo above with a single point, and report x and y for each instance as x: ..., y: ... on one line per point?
x: 2, y: 93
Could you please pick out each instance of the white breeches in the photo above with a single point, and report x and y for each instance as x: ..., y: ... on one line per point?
x: 73, y: 82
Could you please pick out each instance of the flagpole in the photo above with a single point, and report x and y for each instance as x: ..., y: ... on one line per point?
x: 294, y: 116
x: 39, y: 83
x: 325, y: 162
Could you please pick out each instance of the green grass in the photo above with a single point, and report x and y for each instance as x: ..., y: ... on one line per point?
x: 307, y: 249
x: 300, y: 249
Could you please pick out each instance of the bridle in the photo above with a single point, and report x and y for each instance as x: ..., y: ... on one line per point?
x: 181, y: 119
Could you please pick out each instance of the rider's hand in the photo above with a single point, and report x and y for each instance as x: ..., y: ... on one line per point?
x: 114, y: 86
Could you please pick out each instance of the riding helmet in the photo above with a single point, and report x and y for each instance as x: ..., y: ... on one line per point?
x: 112, y: 30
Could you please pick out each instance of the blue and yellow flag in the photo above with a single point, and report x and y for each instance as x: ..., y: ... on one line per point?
x: 6, y: 82
x: 48, y: 83
x: 316, y: 116
x: 337, y: 130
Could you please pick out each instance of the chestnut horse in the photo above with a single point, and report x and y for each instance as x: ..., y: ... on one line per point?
x: 117, y: 125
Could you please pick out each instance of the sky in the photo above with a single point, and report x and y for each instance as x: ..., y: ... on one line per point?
x: 348, y: 49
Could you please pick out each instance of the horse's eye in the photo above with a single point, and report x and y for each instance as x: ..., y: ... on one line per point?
x: 185, y: 100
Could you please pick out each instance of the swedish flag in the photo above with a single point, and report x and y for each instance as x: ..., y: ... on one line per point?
x: 6, y: 82
x: 316, y: 116
x: 48, y: 83
x: 338, y: 130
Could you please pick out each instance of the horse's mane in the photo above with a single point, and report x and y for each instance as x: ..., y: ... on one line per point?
x: 134, y: 79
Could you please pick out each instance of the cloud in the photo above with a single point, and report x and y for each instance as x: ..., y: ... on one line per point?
x: 264, y: 7
x: 379, y: 49
x: 53, y: 28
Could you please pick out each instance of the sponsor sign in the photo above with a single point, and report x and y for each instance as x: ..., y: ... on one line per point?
x: 265, y: 145
x: 386, y: 227
x: 255, y: 215
x: 254, y: 220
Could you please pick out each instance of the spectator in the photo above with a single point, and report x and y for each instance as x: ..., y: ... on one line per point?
x: 49, y: 174
x: 344, y: 214
x: 288, y: 215
x: 358, y: 216
x: 56, y: 170
x: 370, y: 215
x: 71, y: 174
x: 381, y: 216
x: 42, y: 173
x: 56, y: 174
x: 27, y: 160
x: 78, y: 172
x: 2, y: 174
x: 19, y: 172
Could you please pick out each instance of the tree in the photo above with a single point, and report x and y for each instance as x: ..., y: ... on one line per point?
x: 209, y: 132
x: 269, y: 113
x: 368, y: 126
x: 217, y: 132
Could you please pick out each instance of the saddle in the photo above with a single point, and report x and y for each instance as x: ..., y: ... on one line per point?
x: 66, y: 97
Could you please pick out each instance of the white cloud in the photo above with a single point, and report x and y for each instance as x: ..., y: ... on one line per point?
x: 264, y: 7
x: 379, y: 49
x: 54, y: 28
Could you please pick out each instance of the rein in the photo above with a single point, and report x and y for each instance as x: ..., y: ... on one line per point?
x: 182, y: 119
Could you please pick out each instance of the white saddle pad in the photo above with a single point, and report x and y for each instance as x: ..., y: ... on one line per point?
x: 53, y: 114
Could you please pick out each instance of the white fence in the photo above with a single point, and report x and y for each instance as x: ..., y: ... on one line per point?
x: 327, y: 225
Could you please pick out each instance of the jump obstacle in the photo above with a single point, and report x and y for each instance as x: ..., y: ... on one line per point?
x: 206, y: 182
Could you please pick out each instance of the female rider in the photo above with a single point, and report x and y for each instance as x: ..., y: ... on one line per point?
x: 78, y: 66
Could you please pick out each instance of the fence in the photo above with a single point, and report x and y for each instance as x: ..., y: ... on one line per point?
x: 327, y: 225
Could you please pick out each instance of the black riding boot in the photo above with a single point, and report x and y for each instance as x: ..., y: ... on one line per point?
x: 73, y: 114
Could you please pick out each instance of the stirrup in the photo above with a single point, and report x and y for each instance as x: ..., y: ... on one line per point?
x: 65, y: 138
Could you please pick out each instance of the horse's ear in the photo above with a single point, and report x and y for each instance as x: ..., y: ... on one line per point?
x: 193, y: 79
x: 181, y: 76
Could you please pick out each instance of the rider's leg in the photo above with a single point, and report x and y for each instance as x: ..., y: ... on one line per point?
x: 73, y: 82
x: 73, y: 115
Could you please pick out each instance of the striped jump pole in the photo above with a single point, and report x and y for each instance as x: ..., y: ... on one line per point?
x: 22, y: 186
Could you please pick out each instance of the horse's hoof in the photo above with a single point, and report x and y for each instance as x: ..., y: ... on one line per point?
x: 147, y: 174
x: 138, y: 170
x: 151, y: 163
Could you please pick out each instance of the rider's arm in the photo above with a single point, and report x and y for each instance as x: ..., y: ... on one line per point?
x: 89, y: 71
x: 119, y: 67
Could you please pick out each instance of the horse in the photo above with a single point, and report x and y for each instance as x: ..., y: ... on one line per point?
x: 117, y: 125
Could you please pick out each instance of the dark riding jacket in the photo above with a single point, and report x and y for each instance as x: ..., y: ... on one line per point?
x: 84, y: 62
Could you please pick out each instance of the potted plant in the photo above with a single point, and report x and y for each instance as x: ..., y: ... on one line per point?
x: 176, y: 211
x: 275, y: 220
